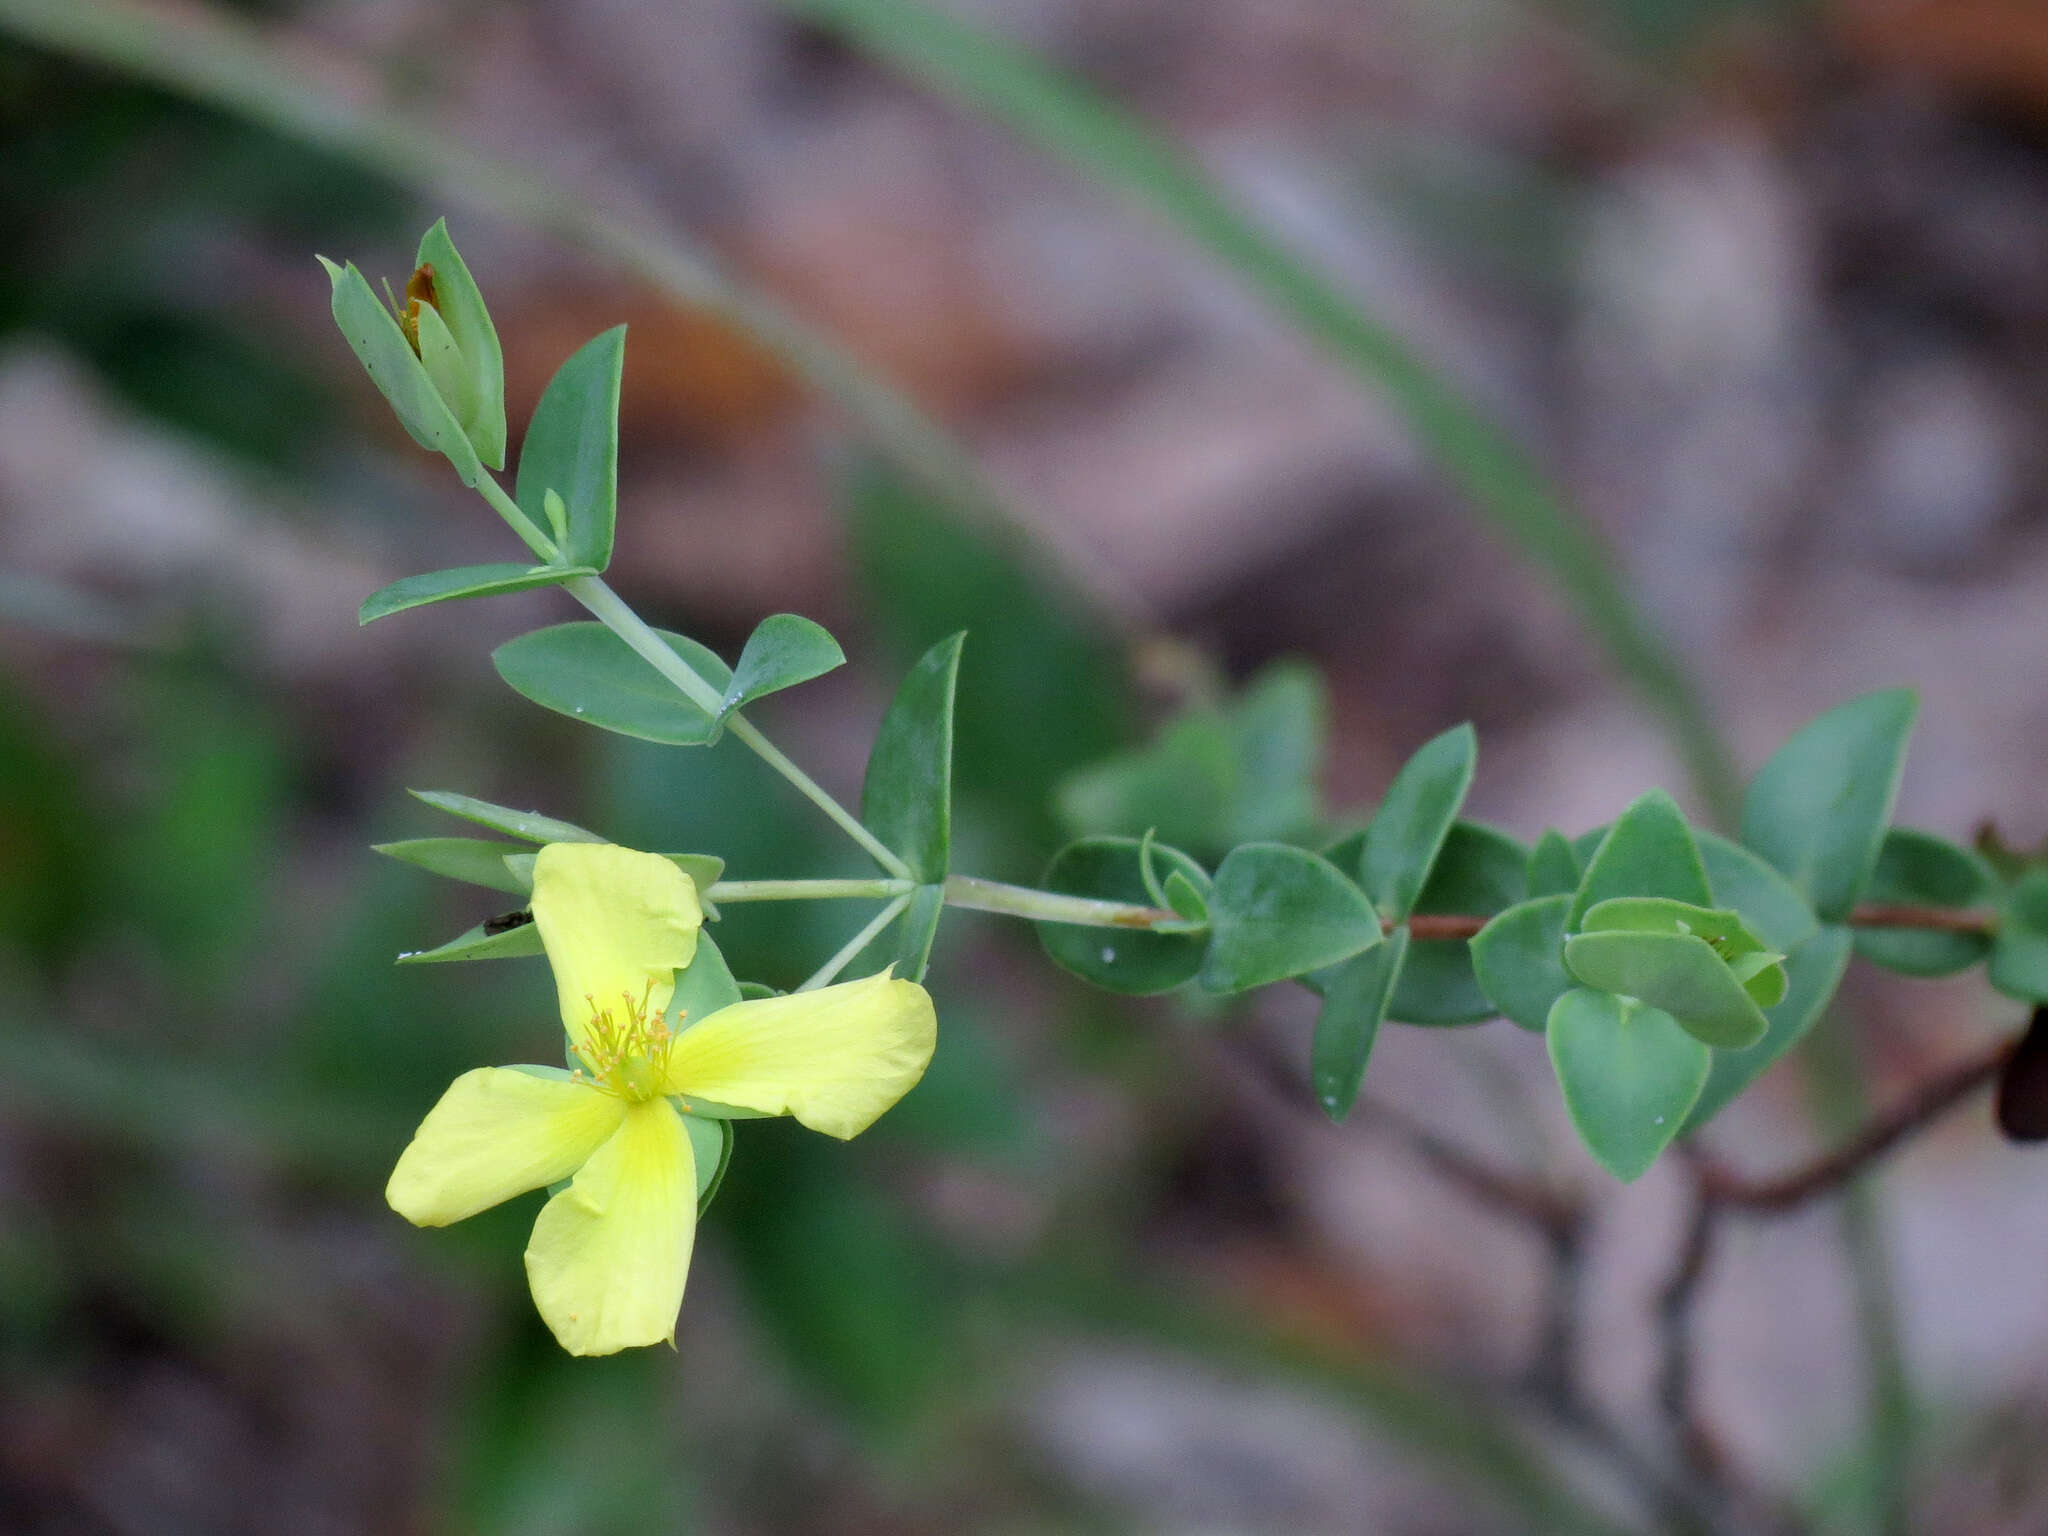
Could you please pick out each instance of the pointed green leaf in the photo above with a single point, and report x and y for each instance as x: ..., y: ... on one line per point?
x: 572, y: 449
x: 785, y: 649
x: 528, y: 825
x: 2019, y: 952
x: 1480, y: 871
x: 703, y: 986
x: 442, y: 359
x: 916, y: 929
x: 1775, y: 912
x: 1817, y: 810
x: 588, y: 673
x: 1677, y: 972
x: 1920, y: 869
x: 474, y: 859
x: 1187, y: 899
x: 1518, y: 958
x: 1279, y: 911
x: 1812, y: 971
x: 1278, y: 725
x: 1408, y: 831
x: 1629, y: 1076
x: 372, y: 333
x: 1554, y: 869
x: 1124, y: 960
x: 460, y: 307
x: 1355, y: 997
x: 489, y: 940
x: 906, y: 799
x: 1183, y: 786
x: 1758, y: 968
x: 463, y: 581
x: 711, y: 1147
x: 1648, y: 852
x: 703, y: 869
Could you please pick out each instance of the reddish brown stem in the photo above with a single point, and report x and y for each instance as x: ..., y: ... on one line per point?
x: 1721, y: 1186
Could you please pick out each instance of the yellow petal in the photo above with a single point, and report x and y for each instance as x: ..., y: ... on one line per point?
x: 497, y: 1132
x: 617, y: 925
x: 835, y: 1058
x: 609, y: 1253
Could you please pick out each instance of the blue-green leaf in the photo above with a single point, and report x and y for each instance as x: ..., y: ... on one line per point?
x: 1648, y: 852
x: 1408, y: 831
x: 1922, y: 870
x: 1518, y: 958
x: 1279, y: 911
x: 1757, y: 968
x: 1279, y: 726
x: 1629, y: 1076
x: 906, y: 799
x: 1554, y: 868
x: 463, y: 581
x: 496, y: 939
x: 1355, y: 997
x: 2019, y: 952
x: 530, y: 826
x: 572, y: 449
x: 1776, y: 913
x: 916, y: 929
x: 479, y: 402
x: 785, y: 649
x: 588, y: 673
x: 1126, y: 960
x: 1817, y: 810
x: 1480, y: 871
x: 704, y: 986
x: 1676, y: 972
x: 711, y: 1145
x: 476, y: 860
x: 1812, y: 972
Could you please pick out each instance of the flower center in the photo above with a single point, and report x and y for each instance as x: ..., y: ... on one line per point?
x: 625, y: 1049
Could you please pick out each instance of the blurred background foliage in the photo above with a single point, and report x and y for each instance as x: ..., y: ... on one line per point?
x: 1763, y: 282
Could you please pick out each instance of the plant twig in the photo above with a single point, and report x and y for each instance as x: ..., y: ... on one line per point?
x: 1773, y: 1196
x: 1719, y: 1192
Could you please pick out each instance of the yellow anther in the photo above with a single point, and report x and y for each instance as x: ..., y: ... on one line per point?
x: 627, y: 1052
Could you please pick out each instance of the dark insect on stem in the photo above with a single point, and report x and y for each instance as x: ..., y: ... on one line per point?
x: 493, y: 926
x: 2023, y: 1085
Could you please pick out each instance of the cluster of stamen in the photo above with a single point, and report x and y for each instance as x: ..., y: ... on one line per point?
x: 624, y: 1051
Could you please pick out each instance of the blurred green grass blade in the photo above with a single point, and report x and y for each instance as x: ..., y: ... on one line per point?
x: 1091, y: 134
x: 230, y: 65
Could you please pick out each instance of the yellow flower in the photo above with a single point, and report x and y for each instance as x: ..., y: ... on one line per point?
x: 610, y: 1252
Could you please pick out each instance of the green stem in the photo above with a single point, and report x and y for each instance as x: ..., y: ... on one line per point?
x: 610, y: 610
x: 1049, y: 907
x: 544, y: 548
x: 808, y: 890
x: 853, y: 946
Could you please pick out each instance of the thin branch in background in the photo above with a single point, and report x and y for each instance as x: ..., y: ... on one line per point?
x: 1775, y: 1195
x: 1718, y: 1192
x: 1550, y: 1382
